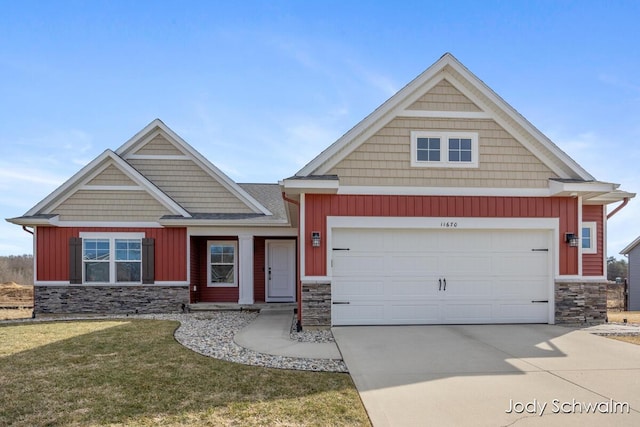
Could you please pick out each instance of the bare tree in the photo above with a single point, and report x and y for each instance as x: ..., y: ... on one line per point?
x: 18, y: 269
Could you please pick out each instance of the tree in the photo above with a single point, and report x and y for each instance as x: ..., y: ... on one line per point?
x: 18, y: 269
x: 616, y: 268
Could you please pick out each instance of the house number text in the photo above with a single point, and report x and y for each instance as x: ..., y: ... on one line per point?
x: 448, y: 224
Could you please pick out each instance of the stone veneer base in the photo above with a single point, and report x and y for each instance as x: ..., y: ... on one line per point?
x: 76, y: 299
x: 316, y: 305
x: 580, y: 303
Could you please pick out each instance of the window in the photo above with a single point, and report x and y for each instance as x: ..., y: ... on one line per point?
x: 444, y: 149
x: 112, y: 258
x: 223, y: 268
x: 589, y: 238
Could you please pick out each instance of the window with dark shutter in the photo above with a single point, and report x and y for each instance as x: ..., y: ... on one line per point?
x: 148, y: 261
x: 75, y: 260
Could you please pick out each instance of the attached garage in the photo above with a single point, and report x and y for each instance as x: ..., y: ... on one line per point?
x: 450, y: 275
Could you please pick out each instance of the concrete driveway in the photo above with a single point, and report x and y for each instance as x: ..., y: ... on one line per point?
x: 471, y: 375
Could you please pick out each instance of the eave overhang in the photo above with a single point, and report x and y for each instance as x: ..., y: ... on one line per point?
x: 592, y: 192
x: 186, y: 222
x: 324, y: 184
x: 32, y: 221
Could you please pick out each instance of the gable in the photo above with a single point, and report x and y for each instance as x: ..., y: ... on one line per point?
x: 111, y: 176
x: 185, y: 175
x: 107, y: 189
x: 110, y: 206
x: 444, y: 97
x: 158, y: 146
x: 384, y: 159
x: 429, y: 96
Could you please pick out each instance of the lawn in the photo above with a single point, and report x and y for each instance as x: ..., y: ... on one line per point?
x: 133, y: 373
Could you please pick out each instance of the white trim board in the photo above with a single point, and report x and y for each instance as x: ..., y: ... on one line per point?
x: 443, y: 191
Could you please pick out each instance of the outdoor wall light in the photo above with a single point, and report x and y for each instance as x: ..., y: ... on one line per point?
x: 315, y: 239
x: 572, y: 239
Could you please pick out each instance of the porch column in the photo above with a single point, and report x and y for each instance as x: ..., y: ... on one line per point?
x: 245, y: 264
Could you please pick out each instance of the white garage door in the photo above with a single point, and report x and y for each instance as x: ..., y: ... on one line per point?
x: 406, y: 276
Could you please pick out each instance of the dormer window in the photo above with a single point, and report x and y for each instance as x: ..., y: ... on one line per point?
x: 444, y: 149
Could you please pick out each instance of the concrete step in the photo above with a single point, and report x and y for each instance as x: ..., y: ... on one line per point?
x: 228, y: 306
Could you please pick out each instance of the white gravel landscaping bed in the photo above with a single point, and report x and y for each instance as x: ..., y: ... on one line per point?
x: 211, y: 334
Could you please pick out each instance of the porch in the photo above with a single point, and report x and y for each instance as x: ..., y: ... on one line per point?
x: 241, y: 271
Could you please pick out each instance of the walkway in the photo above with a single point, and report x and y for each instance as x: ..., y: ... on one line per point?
x: 270, y: 334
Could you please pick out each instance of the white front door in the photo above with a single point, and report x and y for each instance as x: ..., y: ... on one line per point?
x: 280, y: 271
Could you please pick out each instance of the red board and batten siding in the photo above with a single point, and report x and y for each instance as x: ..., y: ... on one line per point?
x: 593, y: 264
x: 52, y: 251
x: 319, y: 206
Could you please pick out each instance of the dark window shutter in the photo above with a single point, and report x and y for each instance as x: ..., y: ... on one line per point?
x: 148, y: 261
x: 75, y: 260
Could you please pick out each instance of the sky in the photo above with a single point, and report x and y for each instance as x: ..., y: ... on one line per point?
x: 246, y: 82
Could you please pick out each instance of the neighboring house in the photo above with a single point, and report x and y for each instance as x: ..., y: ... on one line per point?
x: 443, y: 206
x: 632, y: 252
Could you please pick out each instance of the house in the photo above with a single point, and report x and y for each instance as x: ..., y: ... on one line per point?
x: 444, y: 205
x: 632, y: 252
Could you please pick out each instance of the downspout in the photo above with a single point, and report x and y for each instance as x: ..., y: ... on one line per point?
x: 299, y: 287
x: 616, y: 210
x: 24, y: 227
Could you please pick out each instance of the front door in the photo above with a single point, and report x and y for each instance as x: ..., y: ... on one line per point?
x: 281, y: 271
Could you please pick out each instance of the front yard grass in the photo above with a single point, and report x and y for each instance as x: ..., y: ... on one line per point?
x: 133, y: 372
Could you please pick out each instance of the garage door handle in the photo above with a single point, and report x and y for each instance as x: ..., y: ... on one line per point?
x: 445, y: 284
x: 440, y: 287
x: 340, y: 302
x: 540, y: 301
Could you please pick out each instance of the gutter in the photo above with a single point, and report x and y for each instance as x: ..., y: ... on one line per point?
x: 299, y: 292
x: 616, y: 210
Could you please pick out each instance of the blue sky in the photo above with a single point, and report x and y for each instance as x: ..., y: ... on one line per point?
x: 245, y: 82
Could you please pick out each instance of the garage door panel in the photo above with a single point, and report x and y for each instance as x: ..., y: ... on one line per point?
x: 410, y: 241
x: 356, y: 265
x: 466, y: 263
x: 414, y: 264
x: 467, y: 287
x: 397, y: 276
x: 356, y: 241
x: 362, y: 288
x: 358, y: 314
x: 523, y: 240
x: 517, y: 313
x: 519, y: 288
x: 521, y: 265
x: 455, y: 240
x: 406, y: 289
